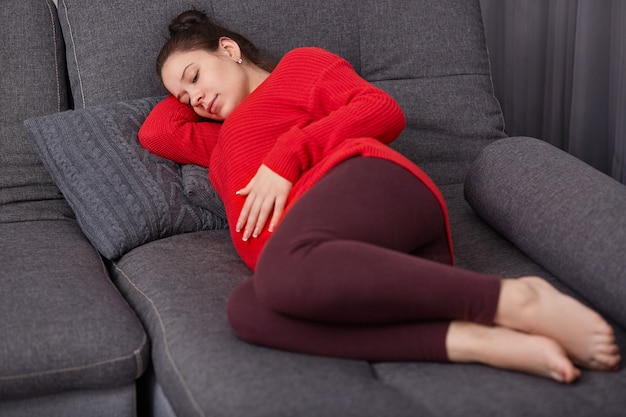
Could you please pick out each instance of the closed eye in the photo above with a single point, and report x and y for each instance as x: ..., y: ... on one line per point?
x: 193, y: 81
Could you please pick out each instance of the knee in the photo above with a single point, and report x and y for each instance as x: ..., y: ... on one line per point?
x: 240, y: 311
x: 253, y: 322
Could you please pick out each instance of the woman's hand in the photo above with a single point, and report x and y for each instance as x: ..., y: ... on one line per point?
x: 265, y: 194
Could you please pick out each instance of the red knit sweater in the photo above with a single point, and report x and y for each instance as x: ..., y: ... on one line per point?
x: 313, y: 112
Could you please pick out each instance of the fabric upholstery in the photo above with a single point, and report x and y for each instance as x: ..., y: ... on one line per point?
x: 561, y: 212
x: 64, y: 325
x: 479, y: 247
x: 432, y: 58
x: 464, y: 390
x: 93, y: 403
x: 32, y: 84
x: 179, y: 286
x: 122, y: 195
x: 199, y: 190
x: 69, y: 344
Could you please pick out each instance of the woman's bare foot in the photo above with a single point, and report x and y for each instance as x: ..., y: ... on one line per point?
x: 532, y: 305
x: 509, y: 349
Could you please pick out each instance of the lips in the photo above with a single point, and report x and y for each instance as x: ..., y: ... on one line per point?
x: 212, y: 107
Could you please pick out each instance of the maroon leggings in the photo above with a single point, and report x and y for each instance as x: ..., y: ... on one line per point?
x: 359, y: 268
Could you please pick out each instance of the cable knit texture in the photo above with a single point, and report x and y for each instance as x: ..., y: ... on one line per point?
x: 313, y: 112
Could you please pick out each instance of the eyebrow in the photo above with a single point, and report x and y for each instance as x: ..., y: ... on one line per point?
x: 185, y: 70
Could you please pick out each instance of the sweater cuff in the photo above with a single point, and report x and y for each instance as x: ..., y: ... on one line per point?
x: 287, y: 158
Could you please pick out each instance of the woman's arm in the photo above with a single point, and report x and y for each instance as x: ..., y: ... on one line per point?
x: 343, y: 106
x: 172, y: 130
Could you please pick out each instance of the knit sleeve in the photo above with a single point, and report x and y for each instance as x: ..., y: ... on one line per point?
x: 343, y: 106
x: 172, y: 130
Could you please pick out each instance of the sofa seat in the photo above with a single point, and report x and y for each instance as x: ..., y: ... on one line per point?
x: 429, y: 55
x: 68, y: 326
x: 179, y: 287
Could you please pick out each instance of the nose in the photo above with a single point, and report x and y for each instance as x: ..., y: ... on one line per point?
x: 196, y: 98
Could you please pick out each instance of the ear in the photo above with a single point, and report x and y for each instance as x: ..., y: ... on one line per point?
x: 230, y: 48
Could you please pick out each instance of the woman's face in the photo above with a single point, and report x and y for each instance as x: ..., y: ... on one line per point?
x: 212, y: 83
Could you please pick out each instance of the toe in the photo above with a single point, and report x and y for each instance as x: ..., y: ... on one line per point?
x: 604, y: 362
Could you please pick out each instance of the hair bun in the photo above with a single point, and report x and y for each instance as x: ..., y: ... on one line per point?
x: 187, y: 20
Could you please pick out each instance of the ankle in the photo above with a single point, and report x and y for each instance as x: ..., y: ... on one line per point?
x: 518, y: 301
x: 465, y: 341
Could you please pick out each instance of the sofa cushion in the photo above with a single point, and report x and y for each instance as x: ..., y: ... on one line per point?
x: 116, y: 402
x: 561, y: 212
x: 442, y: 82
x: 122, y: 195
x: 199, y: 190
x: 32, y: 83
x: 432, y: 57
x: 179, y: 287
x: 473, y: 390
x: 64, y: 325
x: 101, y: 72
x: 479, y: 247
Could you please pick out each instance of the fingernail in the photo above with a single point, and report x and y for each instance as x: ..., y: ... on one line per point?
x: 256, y: 233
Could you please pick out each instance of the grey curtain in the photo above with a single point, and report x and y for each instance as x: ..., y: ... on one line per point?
x: 559, y: 69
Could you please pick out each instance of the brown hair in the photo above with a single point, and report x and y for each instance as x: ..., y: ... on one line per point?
x: 193, y: 30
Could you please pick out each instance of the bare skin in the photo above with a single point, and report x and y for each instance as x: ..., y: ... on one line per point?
x: 538, y: 330
x: 509, y: 349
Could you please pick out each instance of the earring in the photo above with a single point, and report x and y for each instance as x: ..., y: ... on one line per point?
x: 239, y: 61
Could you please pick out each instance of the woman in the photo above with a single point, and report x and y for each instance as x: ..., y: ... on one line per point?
x: 349, y: 241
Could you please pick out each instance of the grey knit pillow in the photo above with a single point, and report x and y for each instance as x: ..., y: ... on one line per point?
x: 122, y: 195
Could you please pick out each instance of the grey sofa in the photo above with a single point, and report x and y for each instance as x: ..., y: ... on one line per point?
x: 116, y: 265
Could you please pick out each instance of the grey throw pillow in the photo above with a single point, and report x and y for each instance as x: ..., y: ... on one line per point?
x: 199, y: 191
x: 122, y: 195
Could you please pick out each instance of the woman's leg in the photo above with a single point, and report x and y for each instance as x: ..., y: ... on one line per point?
x: 367, y: 245
x: 343, y: 261
x: 253, y: 322
x: 319, y: 305
x: 420, y: 341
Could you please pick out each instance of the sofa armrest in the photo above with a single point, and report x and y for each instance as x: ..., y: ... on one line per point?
x: 564, y: 214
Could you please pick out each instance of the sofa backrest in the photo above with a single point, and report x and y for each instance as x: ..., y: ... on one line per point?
x: 430, y: 55
x: 33, y: 82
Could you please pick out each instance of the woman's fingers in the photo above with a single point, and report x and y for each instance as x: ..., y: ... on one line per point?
x: 245, y: 211
x: 279, y: 207
x: 266, y: 208
x: 254, y: 215
x: 266, y: 195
